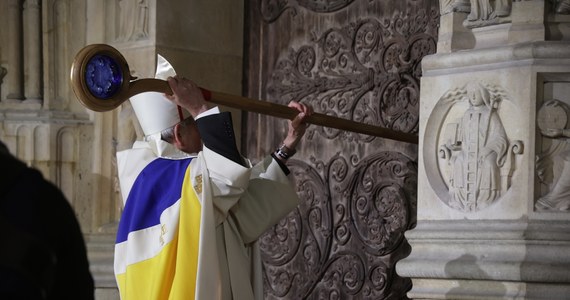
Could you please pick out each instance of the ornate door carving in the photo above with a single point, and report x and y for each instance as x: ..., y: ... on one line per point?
x: 355, y: 59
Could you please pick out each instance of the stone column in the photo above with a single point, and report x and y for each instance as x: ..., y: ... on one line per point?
x: 3, y: 73
x: 33, y: 53
x: 14, y: 49
x: 493, y: 194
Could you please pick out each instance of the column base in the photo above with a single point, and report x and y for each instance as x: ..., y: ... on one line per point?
x: 487, y: 259
x: 480, y: 289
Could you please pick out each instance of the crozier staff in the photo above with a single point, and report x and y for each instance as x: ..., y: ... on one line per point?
x: 194, y: 206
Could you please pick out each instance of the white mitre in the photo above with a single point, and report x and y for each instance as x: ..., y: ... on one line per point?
x: 155, y: 113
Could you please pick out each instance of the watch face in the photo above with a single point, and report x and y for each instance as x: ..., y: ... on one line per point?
x: 103, y: 76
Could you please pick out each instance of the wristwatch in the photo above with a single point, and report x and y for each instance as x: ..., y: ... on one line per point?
x: 284, y: 152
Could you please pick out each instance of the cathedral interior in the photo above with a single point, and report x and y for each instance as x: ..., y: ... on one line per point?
x: 476, y: 205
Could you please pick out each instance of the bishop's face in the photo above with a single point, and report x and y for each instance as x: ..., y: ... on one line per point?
x: 188, y: 137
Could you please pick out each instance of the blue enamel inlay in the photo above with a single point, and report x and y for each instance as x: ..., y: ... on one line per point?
x: 103, y: 76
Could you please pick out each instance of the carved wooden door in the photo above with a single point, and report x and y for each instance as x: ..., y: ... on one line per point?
x: 359, y: 60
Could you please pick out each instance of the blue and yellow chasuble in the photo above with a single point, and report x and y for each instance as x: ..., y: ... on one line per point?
x: 156, y: 252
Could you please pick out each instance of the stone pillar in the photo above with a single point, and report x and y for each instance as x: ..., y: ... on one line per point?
x: 3, y: 73
x: 14, y: 49
x: 33, y: 51
x: 493, y: 194
x: 528, y: 23
x: 452, y: 34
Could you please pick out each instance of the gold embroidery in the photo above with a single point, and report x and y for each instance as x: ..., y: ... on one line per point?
x: 162, y: 233
x: 198, y: 184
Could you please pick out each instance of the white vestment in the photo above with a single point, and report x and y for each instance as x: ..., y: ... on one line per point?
x: 238, y: 204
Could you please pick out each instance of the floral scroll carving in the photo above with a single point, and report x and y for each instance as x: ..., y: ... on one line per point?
x: 344, y: 239
x: 330, y: 246
x: 367, y: 71
x: 272, y: 9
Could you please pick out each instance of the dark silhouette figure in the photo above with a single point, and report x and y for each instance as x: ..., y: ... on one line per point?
x: 42, y: 253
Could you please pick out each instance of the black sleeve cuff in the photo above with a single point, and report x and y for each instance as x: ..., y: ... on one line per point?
x: 281, y: 164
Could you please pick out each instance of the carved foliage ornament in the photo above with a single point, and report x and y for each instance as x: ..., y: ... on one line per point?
x: 475, y: 159
x: 333, y: 246
x: 367, y: 71
x: 272, y: 9
x: 347, y: 234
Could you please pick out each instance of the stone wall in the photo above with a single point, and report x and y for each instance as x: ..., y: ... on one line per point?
x: 493, y: 202
x: 42, y: 122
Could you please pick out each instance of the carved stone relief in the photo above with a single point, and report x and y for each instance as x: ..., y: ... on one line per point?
x: 475, y: 159
x: 449, y: 6
x: 553, y: 163
x: 133, y: 20
x: 491, y: 12
x: 562, y: 7
x: 487, y: 12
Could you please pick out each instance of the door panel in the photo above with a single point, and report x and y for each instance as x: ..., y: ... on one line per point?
x: 359, y: 60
